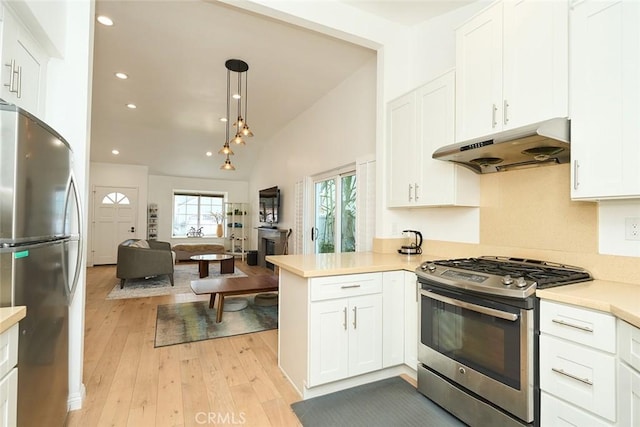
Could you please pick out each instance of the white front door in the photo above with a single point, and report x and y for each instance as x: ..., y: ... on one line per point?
x: 114, y: 220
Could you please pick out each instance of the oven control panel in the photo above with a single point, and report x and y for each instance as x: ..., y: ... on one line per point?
x: 461, y: 275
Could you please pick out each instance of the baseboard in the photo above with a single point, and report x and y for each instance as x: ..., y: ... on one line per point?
x: 76, y: 400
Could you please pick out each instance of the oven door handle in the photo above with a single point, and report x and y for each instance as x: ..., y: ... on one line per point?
x: 473, y: 307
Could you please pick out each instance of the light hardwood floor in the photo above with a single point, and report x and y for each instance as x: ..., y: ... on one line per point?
x: 224, y: 381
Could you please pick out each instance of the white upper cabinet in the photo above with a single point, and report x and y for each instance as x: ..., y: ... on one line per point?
x: 419, y: 123
x: 512, y: 67
x: 605, y: 99
x: 23, y: 70
x: 401, y: 143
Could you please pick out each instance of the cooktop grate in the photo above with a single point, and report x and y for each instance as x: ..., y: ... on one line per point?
x: 545, y: 274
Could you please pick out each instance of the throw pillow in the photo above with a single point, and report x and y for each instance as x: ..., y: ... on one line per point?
x: 140, y: 244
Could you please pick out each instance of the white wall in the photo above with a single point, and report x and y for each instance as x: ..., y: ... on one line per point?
x: 334, y: 132
x: 161, y: 190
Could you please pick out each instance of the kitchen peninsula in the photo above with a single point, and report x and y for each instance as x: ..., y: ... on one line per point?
x: 323, y: 296
x: 346, y: 319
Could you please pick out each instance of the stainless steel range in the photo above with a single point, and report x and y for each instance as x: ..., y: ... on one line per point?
x: 478, y: 335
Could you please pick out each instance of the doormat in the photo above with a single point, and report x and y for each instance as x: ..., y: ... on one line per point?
x: 195, y: 321
x: 389, y: 402
x: 183, y: 274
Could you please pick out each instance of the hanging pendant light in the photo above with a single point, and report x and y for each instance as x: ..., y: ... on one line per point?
x: 241, y: 127
x: 227, y: 165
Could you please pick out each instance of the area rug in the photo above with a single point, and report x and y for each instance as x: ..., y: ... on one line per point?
x: 195, y: 321
x: 183, y: 274
x: 390, y: 402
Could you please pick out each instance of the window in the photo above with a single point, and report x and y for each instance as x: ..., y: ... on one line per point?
x: 115, y: 199
x: 196, y: 214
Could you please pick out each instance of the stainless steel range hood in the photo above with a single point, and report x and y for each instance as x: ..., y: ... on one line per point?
x: 539, y: 144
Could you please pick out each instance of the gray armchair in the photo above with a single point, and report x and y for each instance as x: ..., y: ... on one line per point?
x: 140, y: 258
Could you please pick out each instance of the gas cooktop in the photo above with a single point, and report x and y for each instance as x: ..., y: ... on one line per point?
x: 509, y: 277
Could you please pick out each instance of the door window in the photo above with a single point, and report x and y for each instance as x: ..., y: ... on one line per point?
x: 335, y: 214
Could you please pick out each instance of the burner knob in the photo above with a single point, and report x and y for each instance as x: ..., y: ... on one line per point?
x: 520, y: 282
x: 428, y: 266
x: 507, y: 280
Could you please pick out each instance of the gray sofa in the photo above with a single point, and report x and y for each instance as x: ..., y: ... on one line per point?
x: 141, y: 258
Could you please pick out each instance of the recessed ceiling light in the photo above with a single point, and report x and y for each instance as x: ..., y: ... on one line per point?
x: 236, y: 96
x: 223, y: 119
x: 105, y: 20
x: 209, y: 153
x: 116, y: 152
x: 122, y: 76
x: 132, y: 106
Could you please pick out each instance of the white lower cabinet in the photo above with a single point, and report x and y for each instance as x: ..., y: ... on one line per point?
x: 9, y: 377
x: 400, y: 319
x: 411, y: 301
x: 577, y: 365
x: 393, y: 329
x: 628, y: 374
x: 345, y: 330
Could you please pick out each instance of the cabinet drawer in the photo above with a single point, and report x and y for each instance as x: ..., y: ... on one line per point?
x: 8, y: 350
x: 580, y: 375
x: 592, y: 328
x: 323, y: 288
x: 629, y: 344
x: 555, y: 412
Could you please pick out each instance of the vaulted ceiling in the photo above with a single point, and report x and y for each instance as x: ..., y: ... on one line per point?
x: 174, y: 54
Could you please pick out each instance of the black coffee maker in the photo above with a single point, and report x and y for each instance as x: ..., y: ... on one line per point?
x: 414, y: 248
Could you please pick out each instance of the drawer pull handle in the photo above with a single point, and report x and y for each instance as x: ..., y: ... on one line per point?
x: 349, y: 286
x: 587, y: 381
x: 571, y: 325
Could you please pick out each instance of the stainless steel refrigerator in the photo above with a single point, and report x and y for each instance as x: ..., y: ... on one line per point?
x: 40, y: 252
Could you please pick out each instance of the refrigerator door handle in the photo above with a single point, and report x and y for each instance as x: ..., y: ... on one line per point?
x: 72, y: 191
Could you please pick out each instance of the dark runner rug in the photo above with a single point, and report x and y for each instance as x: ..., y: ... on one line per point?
x: 195, y: 321
x: 390, y: 402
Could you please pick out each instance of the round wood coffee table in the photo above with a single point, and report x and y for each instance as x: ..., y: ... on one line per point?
x: 227, y: 263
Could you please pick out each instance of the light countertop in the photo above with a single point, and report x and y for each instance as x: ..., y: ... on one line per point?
x: 319, y: 265
x: 620, y: 299
x: 9, y: 316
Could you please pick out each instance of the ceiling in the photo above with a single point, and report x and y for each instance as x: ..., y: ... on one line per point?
x: 174, y: 53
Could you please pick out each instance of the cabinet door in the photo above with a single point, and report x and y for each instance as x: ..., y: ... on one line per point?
x: 401, y: 141
x: 440, y: 183
x: 23, y: 87
x: 9, y: 399
x: 605, y: 99
x: 535, y: 67
x: 392, y: 318
x: 628, y: 396
x: 365, y: 334
x: 410, y: 320
x: 479, y: 75
x: 329, y: 341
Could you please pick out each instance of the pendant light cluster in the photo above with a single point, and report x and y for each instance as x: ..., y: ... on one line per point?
x: 241, y: 127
